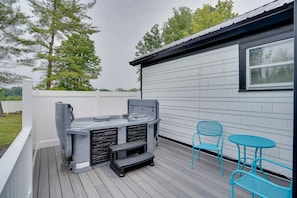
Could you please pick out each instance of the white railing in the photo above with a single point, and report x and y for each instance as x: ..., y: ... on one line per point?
x: 16, y: 163
x: 16, y: 168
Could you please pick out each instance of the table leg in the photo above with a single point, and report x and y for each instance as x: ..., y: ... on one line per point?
x: 260, y: 155
x: 244, y: 157
x: 239, y: 160
x: 256, y: 151
x: 260, y: 162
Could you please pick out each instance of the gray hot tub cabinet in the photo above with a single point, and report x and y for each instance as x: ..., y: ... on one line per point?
x: 85, y: 141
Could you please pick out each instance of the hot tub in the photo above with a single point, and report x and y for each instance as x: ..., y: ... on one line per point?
x: 85, y: 141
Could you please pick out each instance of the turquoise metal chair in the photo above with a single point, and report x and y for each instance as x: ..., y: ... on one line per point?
x: 208, y: 137
x: 260, y: 185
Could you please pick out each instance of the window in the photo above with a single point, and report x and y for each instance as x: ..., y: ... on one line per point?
x: 270, y: 66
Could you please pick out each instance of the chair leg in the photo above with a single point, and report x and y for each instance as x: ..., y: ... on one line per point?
x: 220, y: 161
x: 198, y: 153
x: 193, y: 157
x: 232, y: 190
x: 219, y: 157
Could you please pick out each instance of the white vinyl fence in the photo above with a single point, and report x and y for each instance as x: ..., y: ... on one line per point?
x: 11, y: 106
x: 84, y: 103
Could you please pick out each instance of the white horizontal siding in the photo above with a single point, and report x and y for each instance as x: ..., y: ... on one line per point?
x: 205, y: 86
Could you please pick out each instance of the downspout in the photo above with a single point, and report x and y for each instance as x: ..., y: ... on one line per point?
x: 295, y: 107
x: 141, y: 82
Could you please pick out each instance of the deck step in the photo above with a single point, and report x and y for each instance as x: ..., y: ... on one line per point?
x: 120, y: 166
x: 127, y: 146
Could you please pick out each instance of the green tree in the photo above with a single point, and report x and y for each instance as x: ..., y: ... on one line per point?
x: 133, y: 90
x: 77, y: 64
x: 184, y: 23
x: 12, y: 27
x: 178, y: 26
x: 150, y: 41
x: 120, y: 90
x: 56, y: 21
x: 7, y: 78
x: 210, y: 16
x: 14, y: 93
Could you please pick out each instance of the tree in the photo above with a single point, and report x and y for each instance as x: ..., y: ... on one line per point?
x: 14, y: 93
x: 184, y: 23
x: 77, y: 64
x: 120, y: 90
x: 133, y: 90
x: 56, y: 21
x: 12, y: 27
x: 150, y: 41
x: 7, y: 78
x: 210, y: 16
x: 178, y: 26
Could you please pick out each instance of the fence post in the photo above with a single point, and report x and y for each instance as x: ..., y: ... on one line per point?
x: 27, y: 108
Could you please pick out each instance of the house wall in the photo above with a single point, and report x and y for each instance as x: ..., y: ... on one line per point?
x: 84, y: 103
x: 205, y: 86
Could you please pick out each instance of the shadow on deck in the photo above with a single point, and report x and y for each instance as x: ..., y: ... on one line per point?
x: 170, y: 177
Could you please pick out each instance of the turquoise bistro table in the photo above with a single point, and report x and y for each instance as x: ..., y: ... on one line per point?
x: 256, y: 142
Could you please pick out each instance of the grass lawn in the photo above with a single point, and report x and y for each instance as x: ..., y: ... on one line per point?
x: 10, y: 126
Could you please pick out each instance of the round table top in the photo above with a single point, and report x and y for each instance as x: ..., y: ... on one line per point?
x: 251, y: 141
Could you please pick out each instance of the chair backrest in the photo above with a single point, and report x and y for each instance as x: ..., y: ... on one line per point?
x: 209, y: 128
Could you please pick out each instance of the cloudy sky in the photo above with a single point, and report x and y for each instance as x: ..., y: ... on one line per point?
x: 122, y: 23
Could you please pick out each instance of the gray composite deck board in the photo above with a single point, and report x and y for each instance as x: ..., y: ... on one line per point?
x: 63, y: 172
x: 43, y: 185
x: 36, y: 174
x: 54, y: 186
x: 170, y: 177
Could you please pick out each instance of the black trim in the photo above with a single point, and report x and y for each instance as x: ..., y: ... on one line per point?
x: 295, y: 109
x: 258, y: 90
x: 141, y: 93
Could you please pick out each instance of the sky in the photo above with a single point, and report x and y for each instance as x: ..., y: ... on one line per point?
x: 122, y: 24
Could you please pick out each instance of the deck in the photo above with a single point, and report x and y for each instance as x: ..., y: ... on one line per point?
x: 170, y: 177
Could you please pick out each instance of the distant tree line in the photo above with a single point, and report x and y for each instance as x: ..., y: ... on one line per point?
x: 14, y: 93
x: 120, y: 90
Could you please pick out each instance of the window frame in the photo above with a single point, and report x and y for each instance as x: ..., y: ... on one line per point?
x: 258, y: 40
x: 276, y: 85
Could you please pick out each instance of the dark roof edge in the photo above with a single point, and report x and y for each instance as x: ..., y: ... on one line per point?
x: 260, y: 21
